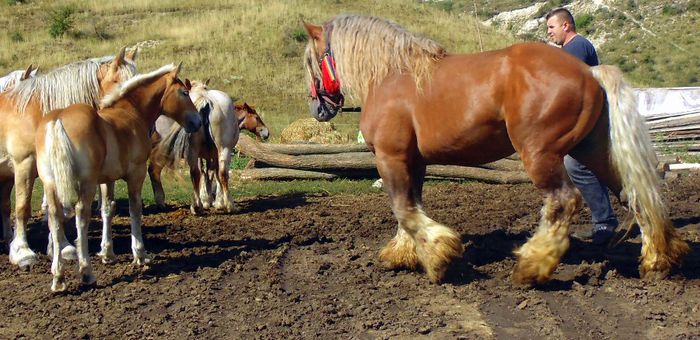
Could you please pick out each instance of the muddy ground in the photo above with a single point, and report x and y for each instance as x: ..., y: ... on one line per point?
x: 305, y: 266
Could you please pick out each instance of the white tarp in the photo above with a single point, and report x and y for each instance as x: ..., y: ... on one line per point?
x: 669, y: 100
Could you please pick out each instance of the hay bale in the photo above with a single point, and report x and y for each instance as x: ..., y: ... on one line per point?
x: 309, y: 130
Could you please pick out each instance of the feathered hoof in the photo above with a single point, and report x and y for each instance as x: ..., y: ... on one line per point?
x: 436, y: 247
x: 22, y: 257
x: 660, y: 267
x: 69, y: 253
x: 399, y: 254
x: 535, y: 266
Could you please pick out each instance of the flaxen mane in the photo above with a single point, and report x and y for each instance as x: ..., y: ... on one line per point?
x: 366, y: 49
x: 73, y: 83
x: 132, y: 83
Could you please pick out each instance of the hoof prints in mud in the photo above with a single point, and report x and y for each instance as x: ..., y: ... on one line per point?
x: 306, y: 267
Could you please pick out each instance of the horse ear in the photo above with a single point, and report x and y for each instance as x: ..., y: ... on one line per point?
x: 315, y: 32
x: 177, y: 69
x: 206, y: 82
x: 27, y: 73
x: 188, y: 84
x: 133, y: 53
x: 118, y: 60
x: 246, y: 106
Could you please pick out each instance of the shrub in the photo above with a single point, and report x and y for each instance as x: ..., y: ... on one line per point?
x: 60, y: 21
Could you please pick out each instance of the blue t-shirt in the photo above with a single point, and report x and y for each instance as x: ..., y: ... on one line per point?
x: 581, y: 48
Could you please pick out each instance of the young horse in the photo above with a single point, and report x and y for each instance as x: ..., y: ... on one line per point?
x: 81, y: 148
x: 421, y: 105
x: 11, y: 79
x: 214, y: 143
x: 20, y: 109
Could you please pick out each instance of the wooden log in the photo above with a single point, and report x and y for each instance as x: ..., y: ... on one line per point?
x: 483, y: 175
x: 309, y: 149
x: 280, y: 174
x: 329, y: 157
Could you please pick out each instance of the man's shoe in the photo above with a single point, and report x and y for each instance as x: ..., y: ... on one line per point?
x: 598, y: 235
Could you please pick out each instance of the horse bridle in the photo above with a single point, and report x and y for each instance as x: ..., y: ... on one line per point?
x: 335, y: 98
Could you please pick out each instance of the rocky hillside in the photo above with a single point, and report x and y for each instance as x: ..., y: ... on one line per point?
x: 655, y: 42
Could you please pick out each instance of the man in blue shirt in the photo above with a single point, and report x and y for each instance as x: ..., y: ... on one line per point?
x: 561, y: 29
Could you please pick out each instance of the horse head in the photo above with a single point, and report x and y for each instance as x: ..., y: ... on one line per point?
x: 249, y: 119
x: 326, y: 97
x: 177, y: 105
x: 121, y: 68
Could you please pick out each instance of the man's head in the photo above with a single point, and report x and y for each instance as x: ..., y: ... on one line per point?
x: 560, y: 26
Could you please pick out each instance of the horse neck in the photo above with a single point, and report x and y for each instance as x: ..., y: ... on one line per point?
x: 145, y: 101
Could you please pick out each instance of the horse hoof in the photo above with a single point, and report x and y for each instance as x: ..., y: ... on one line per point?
x: 58, y: 285
x: 436, y: 247
x: 107, y: 258
x: 69, y: 253
x: 24, y: 259
x: 88, y: 280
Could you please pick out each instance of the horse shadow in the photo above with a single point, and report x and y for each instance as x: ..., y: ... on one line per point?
x: 498, y: 246
x: 249, y: 205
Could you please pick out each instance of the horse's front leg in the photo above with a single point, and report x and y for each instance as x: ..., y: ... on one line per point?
x: 223, y: 196
x: 419, y: 239
x: 25, y: 174
x: 5, y: 211
x: 134, y: 184
x: 108, y: 209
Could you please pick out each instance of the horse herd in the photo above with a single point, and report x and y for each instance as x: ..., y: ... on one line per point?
x: 420, y: 105
x: 92, y: 122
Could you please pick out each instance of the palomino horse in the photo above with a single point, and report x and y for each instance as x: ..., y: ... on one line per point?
x: 81, y: 148
x: 214, y: 143
x: 11, y: 79
x: 21, y: 108
x: 422, y: 105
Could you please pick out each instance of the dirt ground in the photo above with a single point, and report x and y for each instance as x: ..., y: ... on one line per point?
x: 305, y: 266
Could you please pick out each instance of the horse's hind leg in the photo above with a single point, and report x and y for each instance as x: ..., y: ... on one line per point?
x: 55, y: 220
x: 154, y: 172
x: 82, y: 221
x: 197, y: 206
x: 109, y: 207
x: 540, y: 255
x: 223, y: 198
x: 419, y: 240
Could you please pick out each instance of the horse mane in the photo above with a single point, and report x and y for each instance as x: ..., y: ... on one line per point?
x: 128, y: 85
x: 367, y: 49
x: 69, y: 84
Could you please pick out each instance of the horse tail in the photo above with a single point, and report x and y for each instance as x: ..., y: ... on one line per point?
x: 634, y: 159
x: 62, y: 162
x: 174, y: 146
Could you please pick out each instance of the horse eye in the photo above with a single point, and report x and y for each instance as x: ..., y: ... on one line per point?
x: 186, y: 93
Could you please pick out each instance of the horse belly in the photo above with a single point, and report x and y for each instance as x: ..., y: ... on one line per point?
x: 469, y: 147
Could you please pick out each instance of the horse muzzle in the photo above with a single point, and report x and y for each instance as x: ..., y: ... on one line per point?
x: 324, y: 108
x: 192, y: 123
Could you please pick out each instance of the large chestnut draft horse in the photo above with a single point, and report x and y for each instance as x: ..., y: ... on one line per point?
x: 79, y: 147
x: 21, y: 108
x: 422, y: 105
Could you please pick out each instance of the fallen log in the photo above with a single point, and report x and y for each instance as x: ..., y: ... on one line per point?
x: 279, y: 174
x: 270, y: 155
x: 314, y: 149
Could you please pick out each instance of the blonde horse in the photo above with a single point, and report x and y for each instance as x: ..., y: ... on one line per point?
x: 214, y: 143
x: 81, y: 148
x: 422, y: 105
x: 21, y: 108
x: 9, y: 81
